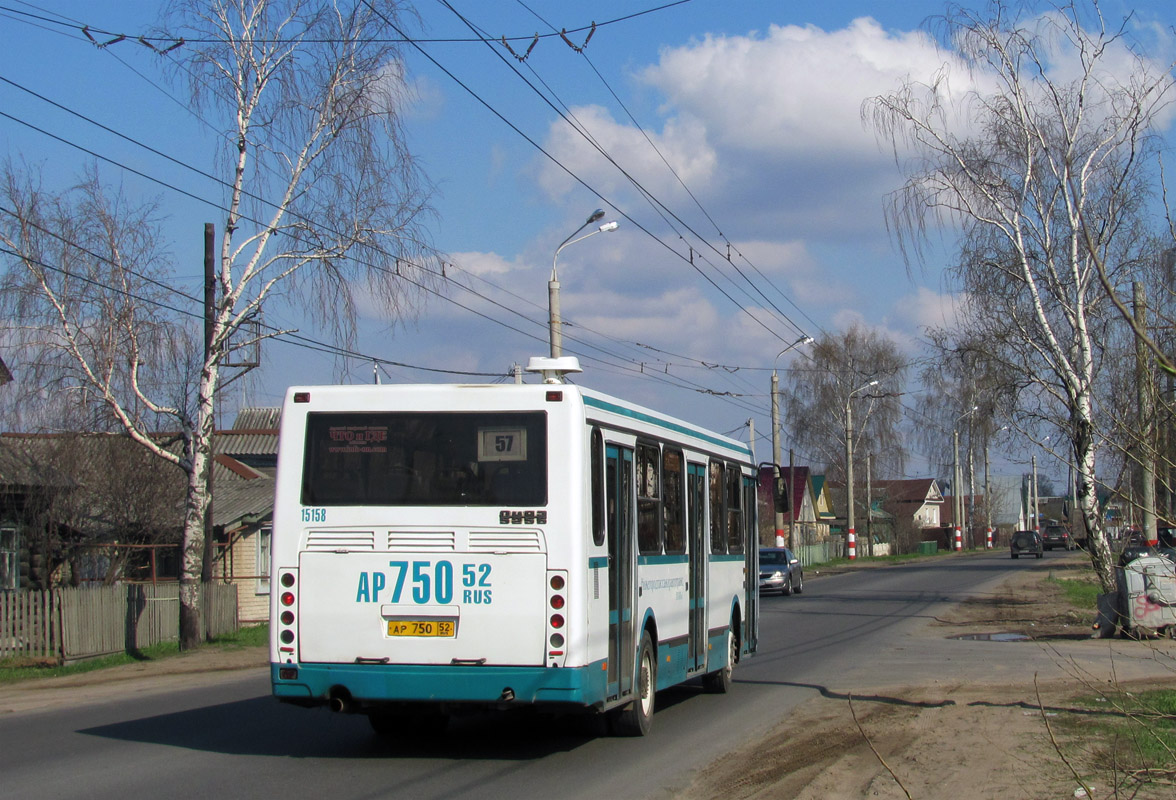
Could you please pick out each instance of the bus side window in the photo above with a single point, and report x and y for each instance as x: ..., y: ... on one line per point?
x: 672, y: 510
x: 648, y: 499
x: 718, y: 533
x: 596, y: 464
x: 734, y: 509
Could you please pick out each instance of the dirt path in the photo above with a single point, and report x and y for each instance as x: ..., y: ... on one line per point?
x: 981, y: 732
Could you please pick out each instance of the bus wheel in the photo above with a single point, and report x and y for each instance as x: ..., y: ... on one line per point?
x: 719, y: 681
x: 636, y: 718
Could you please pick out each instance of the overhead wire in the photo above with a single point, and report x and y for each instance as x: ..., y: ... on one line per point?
x: 659, y: 207
x: 640, y: 366
x: 582, y: 52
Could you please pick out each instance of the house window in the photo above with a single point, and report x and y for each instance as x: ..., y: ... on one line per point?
x: 263, y: 558
x: 9, y: 560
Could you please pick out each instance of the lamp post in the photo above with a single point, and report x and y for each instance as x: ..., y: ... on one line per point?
x: 776, y: 437
x: 957, y: 478
x: 988, y: 497
x: 850, y: 539
x: 554, y: 323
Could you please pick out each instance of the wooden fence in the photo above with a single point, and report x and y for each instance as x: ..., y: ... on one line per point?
x: 73, y: 624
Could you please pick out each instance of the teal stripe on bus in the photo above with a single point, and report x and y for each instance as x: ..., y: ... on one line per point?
x: 647, y: 560
x: 729, y: 557
x: 600, y: 562
x: 667, y: 424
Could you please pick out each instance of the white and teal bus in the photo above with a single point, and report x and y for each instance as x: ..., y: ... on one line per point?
x: 444, y: 547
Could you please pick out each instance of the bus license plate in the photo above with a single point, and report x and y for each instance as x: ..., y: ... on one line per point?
x: 421, y: 627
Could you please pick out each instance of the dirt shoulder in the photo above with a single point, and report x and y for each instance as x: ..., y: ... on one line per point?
x: 1004, y: 724
x: 207, y: 665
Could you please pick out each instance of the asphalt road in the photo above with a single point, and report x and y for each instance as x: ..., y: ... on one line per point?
x: 847, y: 631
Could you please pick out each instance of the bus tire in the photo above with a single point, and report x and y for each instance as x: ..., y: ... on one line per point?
x: 719, y: 681
x: 636, y: 718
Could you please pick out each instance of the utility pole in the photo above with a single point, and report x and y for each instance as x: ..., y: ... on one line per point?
x: 209, y: 325
x: 1036, y: 498
x: 971, y: 519
x: 957, y: 507
x: 1146, y: 404
x: 850, y: 539
x: 987, y: 502
x: 869, y: 506
x: 778, y: 512
x: 791, y: 511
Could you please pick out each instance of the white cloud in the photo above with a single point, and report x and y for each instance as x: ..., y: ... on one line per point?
x: 681, y: 142
x: 764, y: 129
x: 926, y: 309
x: 796, y: 90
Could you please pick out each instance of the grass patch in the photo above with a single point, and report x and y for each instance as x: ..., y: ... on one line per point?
x: 23, y: 669
x: 1081, y: 592
x: 14, y: 669
x: 1137, y: 744
x: 251, y: 636
x: 862, y: 558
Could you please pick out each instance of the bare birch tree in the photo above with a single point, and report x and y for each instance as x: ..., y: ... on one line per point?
x: 322, y: 200
x: 1042, y: 163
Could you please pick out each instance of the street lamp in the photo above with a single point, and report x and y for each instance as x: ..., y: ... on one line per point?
x: 553, y: 319
x: 957, y: 478
x: 988, y: 496
x: 850, y: 539
x: 776, y: 435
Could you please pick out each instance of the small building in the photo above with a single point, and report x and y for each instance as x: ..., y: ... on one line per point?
x: 245, y: 465
x: 798, y: 502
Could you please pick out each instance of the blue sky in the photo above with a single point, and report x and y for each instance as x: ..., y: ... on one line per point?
x: 755, y: 105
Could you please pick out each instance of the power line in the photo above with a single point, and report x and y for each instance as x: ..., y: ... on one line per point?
x: 115, y: 37
x: 189, y: 194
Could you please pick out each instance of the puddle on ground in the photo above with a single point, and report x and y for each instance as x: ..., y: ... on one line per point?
x: 992, y: 637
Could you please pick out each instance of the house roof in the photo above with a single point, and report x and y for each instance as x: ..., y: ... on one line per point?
x: 257, y: 418
x: 24, y: 461
x: 909, y: 490
x: 239, y: 503
x: 243, y: 485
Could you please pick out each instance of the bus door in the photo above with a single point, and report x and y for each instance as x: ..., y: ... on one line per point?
x: 620, y: 517
x: 697, y: 542
x: 750, y: 566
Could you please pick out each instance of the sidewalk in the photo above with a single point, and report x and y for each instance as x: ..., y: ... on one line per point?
x: 205, y: 666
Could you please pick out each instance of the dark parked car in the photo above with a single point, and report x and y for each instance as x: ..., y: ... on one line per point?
x: 780, y: 571
x: 1057, y: 536
x: 1026, y: 542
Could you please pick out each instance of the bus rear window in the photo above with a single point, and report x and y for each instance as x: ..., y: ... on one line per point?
x: 425, y: 459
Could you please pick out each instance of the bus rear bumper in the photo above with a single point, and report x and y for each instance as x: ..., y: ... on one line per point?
x: 369, y: 684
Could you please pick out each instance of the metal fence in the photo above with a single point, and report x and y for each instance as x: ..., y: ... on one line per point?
x: 73, y: 624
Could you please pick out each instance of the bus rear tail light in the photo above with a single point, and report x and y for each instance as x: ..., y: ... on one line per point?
x: 557, y: 600
x: 286, y: 619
